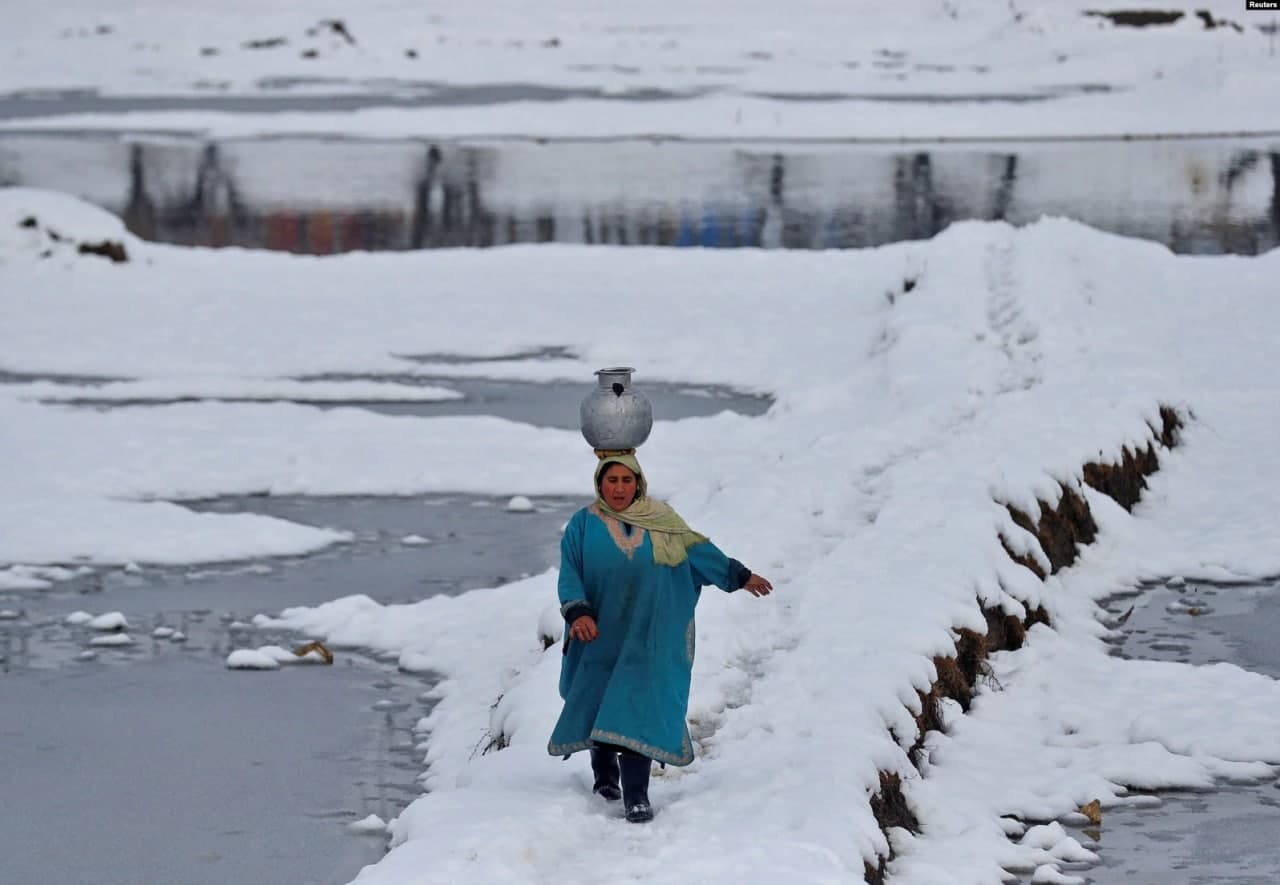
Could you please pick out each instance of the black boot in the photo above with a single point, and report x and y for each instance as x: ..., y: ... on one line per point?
x: 604, y: 765
x: 635, y: 787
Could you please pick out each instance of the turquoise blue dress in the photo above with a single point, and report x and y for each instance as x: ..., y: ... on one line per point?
x: 630, y: 685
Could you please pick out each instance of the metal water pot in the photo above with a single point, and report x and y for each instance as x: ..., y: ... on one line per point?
x: 615, y: 415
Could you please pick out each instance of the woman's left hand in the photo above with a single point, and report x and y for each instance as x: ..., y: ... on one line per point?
x: 757, y: 586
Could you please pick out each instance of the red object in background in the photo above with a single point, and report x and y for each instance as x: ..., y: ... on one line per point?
x: 350, y: 232
x: 218, y: 232
x: 320, y: 234
x: 282, y: 232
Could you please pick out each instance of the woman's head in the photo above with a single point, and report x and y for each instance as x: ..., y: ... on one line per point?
x: 620, y: 481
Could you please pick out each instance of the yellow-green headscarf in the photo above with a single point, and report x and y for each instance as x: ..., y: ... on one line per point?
x: 671, y: 535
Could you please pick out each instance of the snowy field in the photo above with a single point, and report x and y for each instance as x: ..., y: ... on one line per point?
x: 755, y: 69
x: 920, y: 387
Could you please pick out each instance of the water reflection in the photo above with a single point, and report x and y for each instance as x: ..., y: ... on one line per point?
x: 1225, y: 835
x: 543, y: 404
x: 221, y: 776
x: 1200, y: 623
x: 15, y: 640
x: 319, y: 196
x: 283, y: 764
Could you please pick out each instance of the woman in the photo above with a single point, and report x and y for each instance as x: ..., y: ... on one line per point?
x: 631, y: 571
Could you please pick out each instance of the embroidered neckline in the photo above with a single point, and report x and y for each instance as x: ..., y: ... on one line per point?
x: 628, y: 544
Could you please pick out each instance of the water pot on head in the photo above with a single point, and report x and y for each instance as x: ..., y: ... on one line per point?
x: 615, y: 416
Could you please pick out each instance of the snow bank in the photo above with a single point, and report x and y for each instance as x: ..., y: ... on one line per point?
x: 813, y: 68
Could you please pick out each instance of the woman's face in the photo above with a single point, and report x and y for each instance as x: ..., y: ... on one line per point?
x: 618, y: 486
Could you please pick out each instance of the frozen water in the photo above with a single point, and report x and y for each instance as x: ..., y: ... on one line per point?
x: 1225, y: 835
x: 161, y: 759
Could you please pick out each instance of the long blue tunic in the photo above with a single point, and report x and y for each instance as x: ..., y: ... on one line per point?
x: 630, y: 685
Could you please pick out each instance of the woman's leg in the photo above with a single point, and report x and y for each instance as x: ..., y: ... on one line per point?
x: 635, y: 786
x: 604, y: 765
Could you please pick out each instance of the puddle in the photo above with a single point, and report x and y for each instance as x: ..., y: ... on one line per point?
x: 1226, y: 835
x: 403, y: 550
x: 553, y: 404
x: 160, y: 759
x: 462, y: 359
x: 556, y: 404
x: 321, y: 195
x: 1202, y: 623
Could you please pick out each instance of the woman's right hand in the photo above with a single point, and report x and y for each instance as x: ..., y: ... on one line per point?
x: 584, y: 629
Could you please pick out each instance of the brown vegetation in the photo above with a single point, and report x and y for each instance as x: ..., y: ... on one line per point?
x: 107, y: 249
x: 891, y: 810
x: 111, y: 249
x: 1059, y: 530
x: 315, y: 646
x: 1137, y: 18
x: 1125, y: 481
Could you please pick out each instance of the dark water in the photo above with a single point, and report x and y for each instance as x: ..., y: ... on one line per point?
x: 152, y: 762
x: 291, y: 94
x: 1227, y: 836
x: 1202, y: 622
x: 552, y: 404
x: 284, y: 94
x: 1193, y: 838
x: 170, y: 768
x: 322, y: 195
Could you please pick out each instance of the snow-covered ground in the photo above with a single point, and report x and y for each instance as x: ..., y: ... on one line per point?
x: 805, y: 69
x: 920, y: 387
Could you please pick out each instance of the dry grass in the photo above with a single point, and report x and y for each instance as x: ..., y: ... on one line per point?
x: 1093, y: 811
x: 1038, y: 615
x: 1022, y: 559
x: 1063, y: 530
x: 1059, y: 530
x: 315, y: 646
x: 928, y: 719
x: 1137, y: 18
x: 107, y: 249
x: 1126, y: 481
x: 1171, y: 424
x: 890, y: 807
x: 1005, y: 632
x: 951, y: 682
x: 971, y: 654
